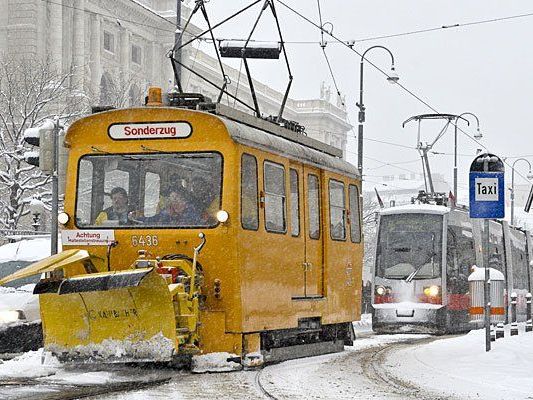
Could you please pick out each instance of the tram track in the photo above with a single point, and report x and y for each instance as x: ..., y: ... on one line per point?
x: 36, y: 389
x: 357, y: 373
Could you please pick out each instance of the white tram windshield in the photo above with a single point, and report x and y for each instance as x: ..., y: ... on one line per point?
x: 177, y: 190
x: 409, y: 246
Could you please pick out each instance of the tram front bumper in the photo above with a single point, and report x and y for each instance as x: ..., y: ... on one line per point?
x: 408, y: 318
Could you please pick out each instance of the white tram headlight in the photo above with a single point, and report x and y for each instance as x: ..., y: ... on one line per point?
x: 432, y: 291
x: 63, y: 218
x: 380, y: 290
x: 222, y: 216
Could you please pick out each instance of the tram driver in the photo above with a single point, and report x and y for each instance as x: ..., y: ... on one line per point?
x: 117, y: 214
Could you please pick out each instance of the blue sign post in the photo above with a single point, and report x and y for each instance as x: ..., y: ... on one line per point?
x: 487, y: 200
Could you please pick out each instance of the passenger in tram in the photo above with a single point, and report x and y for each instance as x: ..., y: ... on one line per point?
x: 118, y: 212
x: 178, y: 210
x: 206, y: 198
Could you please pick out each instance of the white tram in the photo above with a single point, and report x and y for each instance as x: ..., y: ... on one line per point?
x: 424, y: 255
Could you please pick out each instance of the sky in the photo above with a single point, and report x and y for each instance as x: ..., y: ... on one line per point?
x: 478, y: 68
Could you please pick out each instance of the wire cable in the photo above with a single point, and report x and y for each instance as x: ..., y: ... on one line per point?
x: 407, y: 90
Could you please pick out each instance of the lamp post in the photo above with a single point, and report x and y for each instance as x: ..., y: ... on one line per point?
x: 392, y: 78
x: 529, y: 176
x: 477, y: 136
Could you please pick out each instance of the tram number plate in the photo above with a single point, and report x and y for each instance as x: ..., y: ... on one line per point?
x: 144, y: 240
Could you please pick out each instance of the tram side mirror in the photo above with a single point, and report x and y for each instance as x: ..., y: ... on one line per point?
x: 529, y: 200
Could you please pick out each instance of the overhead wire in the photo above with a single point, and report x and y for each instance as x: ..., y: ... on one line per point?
x: 417, y: 31
x: 407, y: 90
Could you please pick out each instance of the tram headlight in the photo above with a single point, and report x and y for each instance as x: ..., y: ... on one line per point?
x: 432, y: 291
x: 380, y: 290
x: 63, y: 218
x: 222, y: 216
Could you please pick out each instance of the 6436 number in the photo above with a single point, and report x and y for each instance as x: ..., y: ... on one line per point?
x: 144, y: 240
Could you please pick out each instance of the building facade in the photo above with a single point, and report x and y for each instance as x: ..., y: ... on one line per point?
x: 115, y: 50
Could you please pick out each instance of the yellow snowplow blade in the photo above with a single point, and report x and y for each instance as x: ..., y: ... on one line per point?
x: 53, y: 263
x: 114, y: 316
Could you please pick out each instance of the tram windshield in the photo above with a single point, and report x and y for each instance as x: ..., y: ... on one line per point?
x: 151, y: 190
x: 409, y: 246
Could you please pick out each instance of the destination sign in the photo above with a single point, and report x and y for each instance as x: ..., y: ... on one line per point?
x: 150, y: 130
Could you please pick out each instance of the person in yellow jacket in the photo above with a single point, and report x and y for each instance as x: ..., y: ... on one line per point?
x: 118, y: 212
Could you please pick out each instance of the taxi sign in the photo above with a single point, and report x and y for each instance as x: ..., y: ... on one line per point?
x: 487, y: 190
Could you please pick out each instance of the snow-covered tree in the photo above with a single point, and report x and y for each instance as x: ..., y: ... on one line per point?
x: 31, y: 91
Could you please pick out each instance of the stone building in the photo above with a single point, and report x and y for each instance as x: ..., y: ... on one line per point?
x: 119, y: 48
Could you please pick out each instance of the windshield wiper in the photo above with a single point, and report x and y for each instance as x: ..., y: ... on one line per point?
x: 419, y: 268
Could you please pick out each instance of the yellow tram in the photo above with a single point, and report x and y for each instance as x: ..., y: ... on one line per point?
x: 261, y: 258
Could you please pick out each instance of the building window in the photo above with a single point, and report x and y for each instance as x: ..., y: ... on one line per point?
x: 249, y: 205
x: 337, y: 210
x: 109, y: 42
x: 275, y: 199
x: 136, y: 54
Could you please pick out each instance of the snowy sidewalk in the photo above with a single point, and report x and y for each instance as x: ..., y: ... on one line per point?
x: 460, y: 366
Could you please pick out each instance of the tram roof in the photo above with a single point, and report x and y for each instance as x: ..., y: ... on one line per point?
x: 253, y: 137
x: 257, y: 133
x: 416, y: 209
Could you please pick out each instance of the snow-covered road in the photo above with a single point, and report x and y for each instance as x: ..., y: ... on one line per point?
x: 376, y: 367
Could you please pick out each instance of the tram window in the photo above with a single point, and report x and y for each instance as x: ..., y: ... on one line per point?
x: 295, y: 204
x: 114, y: 178
x: 152, y: 188
x: 85, y: 183
x: 355, y: 214
x: 337, y: 210
x: 156, y: 189
x: 275, y: 198
x: 313, y: 198
x: 249, y: 207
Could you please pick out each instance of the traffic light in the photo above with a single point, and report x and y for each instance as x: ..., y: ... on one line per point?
x: 42, y: 137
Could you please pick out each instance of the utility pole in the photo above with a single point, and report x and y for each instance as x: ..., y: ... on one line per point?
x: 177, y: 40
x: 55, y: 190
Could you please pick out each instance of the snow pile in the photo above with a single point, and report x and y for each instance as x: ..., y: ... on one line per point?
x: 29, y: 365
x: 478, y: 274
x: 22, y: 299
x: 25, y: 250
x: 364, y: 325
x: 460, y: 366
x: 215, y: 362
x: 158, y: 348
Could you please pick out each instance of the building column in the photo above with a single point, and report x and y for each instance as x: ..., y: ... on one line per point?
x: 22, y: 30
x: 125, y: 55
x: 55, y: 32
x: 78, y: 45
x: 96, y: 54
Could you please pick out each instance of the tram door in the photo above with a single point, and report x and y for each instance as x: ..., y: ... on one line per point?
x: 313, y: 233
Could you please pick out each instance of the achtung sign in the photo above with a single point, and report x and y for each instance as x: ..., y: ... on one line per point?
x: 87, y: 237
x: 150, y: 130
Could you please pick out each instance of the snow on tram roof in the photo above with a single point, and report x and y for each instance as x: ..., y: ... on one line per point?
x: 416, y: 209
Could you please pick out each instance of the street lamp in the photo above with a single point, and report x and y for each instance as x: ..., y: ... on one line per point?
x: 392, y: 78
x: 529, y: 176
x: 477, y: 136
